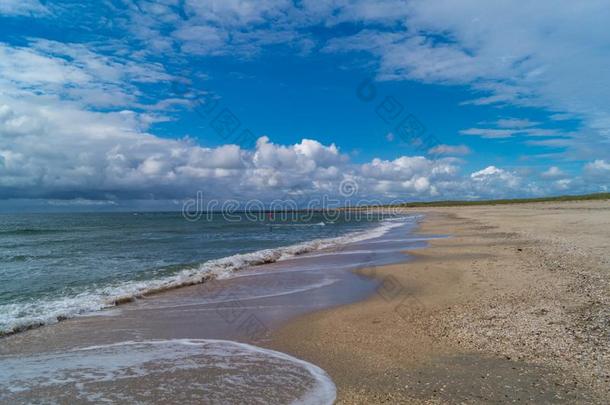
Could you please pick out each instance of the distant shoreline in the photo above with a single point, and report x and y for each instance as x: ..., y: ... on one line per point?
x: 454, y: 203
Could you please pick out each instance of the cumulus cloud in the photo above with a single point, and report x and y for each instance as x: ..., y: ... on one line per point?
x: 491, y: 176
x: 553, y: 173
x: 598, y: 168
x: 58, y: 148
x: 414, y: 175
x: 61, y: 152
x: 105, y: 156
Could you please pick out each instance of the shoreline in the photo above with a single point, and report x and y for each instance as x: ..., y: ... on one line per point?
x: 244, y: 307
x: 512, y: 307
x: 212, y: 270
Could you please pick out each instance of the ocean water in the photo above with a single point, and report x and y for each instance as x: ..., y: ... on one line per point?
x: 57, y: 266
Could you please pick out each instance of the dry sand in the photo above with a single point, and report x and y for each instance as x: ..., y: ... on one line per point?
x: 514, y: 307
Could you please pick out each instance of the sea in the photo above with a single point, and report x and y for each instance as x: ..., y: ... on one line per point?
x: 58, y: 266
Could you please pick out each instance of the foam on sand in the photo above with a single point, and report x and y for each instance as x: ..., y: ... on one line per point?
x: 177, y: 370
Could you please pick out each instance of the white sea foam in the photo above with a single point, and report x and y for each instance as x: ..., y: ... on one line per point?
x: 158, y: 304
x: 20, y: 316
x: 195, y: 370
x: 353, y: 252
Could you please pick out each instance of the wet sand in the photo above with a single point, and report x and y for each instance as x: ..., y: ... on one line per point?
x: 515, y: 307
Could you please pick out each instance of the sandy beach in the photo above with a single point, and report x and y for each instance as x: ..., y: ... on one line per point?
x: 513, y: 307
x: 480, y: 304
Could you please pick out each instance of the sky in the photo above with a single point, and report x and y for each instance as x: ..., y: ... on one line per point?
x: 143, y: 105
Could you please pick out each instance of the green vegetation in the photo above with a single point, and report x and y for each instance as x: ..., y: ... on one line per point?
x: 586, y: 197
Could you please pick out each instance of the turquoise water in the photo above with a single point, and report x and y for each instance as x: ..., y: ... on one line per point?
x: 55, y: 266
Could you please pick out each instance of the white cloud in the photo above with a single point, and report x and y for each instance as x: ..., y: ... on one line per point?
x: 73, y: 71
x: 547, y: 60
x: 241, y: 28
x: 22, y: 8
x: 562, y: 184
x: 516, y: 123
x: 107, y: 156
x: 561, y: 117
x: 490, y: 133
x: 493, y: 175
x: 553, y: 173
x: 536, y: 54
x: 59, y: 151
x: 598, y: 168
x: 452, y: 150
x: 509, y: 127
x: 201, y: 40
x: 237, y: 13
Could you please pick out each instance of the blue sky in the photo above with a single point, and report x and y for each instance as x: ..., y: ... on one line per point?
x: 105, y: 105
